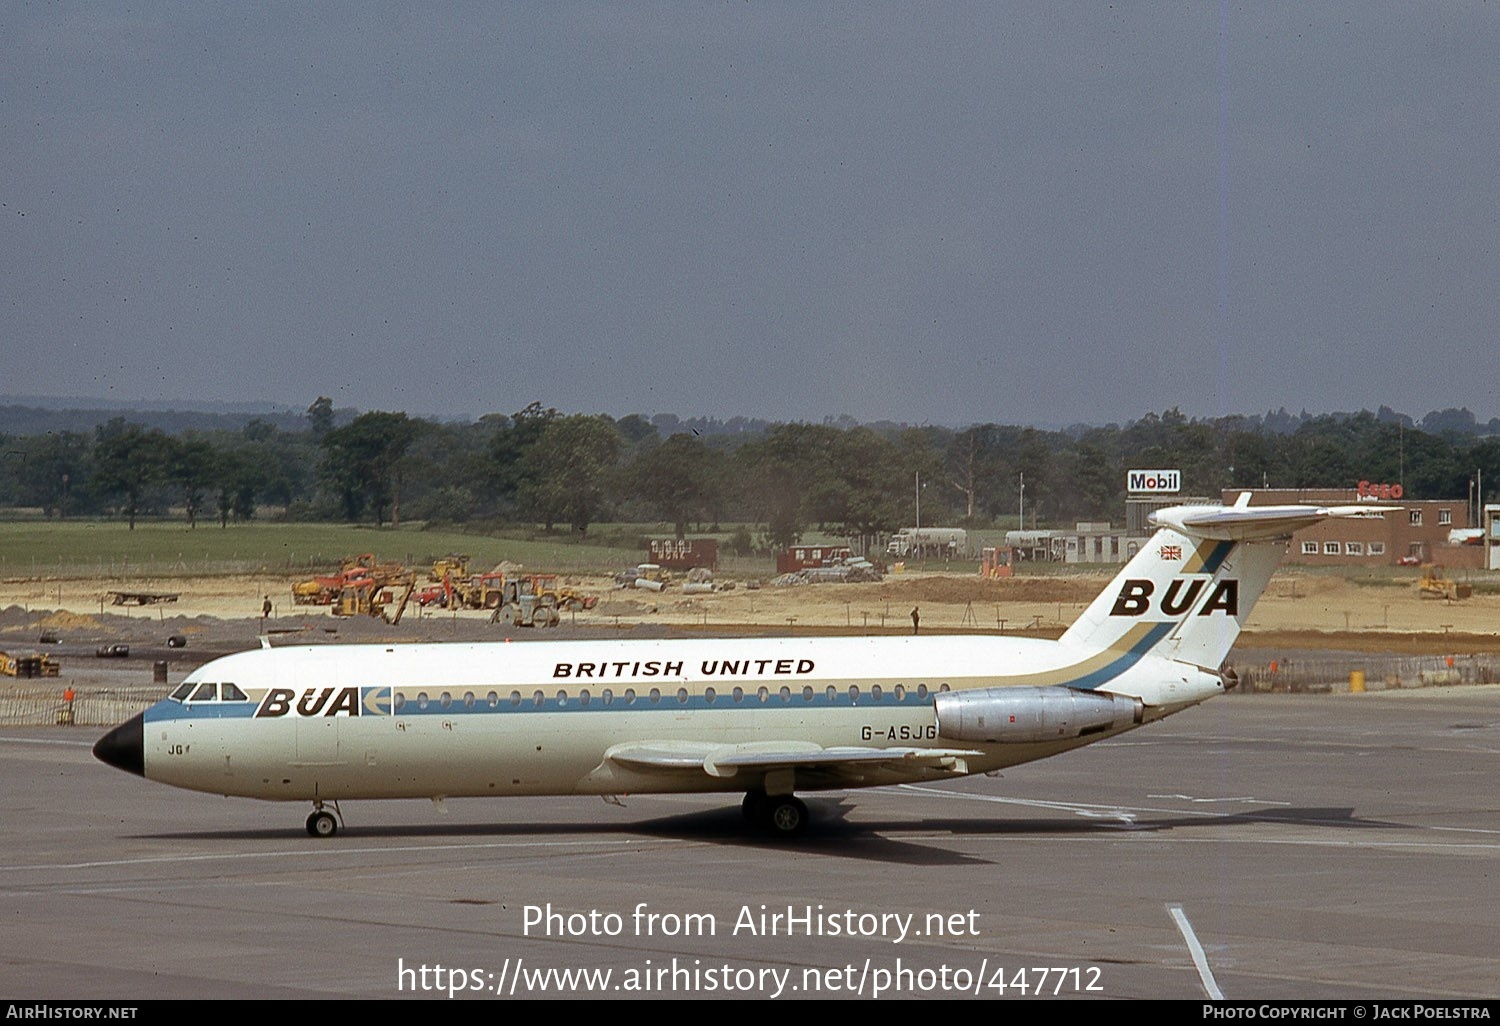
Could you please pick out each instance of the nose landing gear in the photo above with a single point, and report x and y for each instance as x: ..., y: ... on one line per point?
x: 322, y: 823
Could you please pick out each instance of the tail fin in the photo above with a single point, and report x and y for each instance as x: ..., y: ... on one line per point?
x: 1189, y: 590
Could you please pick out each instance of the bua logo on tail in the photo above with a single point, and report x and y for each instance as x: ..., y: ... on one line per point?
x: 1134, y: 597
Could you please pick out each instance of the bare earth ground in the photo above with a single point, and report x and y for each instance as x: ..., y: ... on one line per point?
x: 1306, y: 611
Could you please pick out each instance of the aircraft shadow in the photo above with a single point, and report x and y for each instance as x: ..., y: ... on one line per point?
x: 830, y: 833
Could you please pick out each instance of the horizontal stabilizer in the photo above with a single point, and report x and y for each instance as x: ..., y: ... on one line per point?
x: 1248, y: 523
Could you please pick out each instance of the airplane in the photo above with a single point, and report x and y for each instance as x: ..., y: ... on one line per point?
x: 764, y: 716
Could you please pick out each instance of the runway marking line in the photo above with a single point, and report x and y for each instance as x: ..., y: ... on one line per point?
x: 1200, y: 958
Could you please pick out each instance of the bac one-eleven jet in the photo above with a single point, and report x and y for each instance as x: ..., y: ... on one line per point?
x: 764, y: 717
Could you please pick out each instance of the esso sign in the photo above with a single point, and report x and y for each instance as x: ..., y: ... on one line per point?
x: 1159, y: 481
x: 1367, y: 490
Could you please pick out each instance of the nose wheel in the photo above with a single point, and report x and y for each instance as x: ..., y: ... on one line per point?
x: 322, y: 823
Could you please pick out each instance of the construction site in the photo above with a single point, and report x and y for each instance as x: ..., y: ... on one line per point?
x: 364, y: 586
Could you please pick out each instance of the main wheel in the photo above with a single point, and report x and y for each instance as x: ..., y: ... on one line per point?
x: 322, y: 824
x: 785, y: 815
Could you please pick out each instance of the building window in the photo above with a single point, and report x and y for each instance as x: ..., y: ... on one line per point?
x: 1330, y: 548
x: 1354, y: 548
x: 1416, y: 518
x: 1445, y: 516
x: 1309, y: 548
x: 1377, y: 548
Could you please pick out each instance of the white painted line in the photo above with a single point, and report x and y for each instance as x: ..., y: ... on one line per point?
x: 334, y: 852
x: 1210, y: 986
x: 44, y: 741
x: 1247, y: 799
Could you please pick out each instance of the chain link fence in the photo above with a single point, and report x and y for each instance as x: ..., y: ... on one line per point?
x: 1325, y: 672
x: 45, y: 707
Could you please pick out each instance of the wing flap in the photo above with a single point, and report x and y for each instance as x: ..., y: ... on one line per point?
x: 766, y: 756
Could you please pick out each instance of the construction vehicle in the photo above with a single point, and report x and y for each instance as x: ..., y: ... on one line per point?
x: 564, y: 597
x: 368, y: 596
x: 356, y: 572
x: 1434, y: 585
x: 32, y: 665
x: 520, y: 606
x: 480, y: 591
x: 452, y: 565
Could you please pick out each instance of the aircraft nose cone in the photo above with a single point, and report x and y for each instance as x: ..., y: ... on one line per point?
x: 124, y: 747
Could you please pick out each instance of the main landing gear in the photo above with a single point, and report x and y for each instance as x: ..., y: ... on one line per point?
x: 321, y: 822
x: 781, y: 815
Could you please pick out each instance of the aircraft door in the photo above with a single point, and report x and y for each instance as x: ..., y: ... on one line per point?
x: 317, y: 717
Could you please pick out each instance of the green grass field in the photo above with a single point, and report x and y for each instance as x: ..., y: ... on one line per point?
x: 32, y: 549
x: 97, y: 548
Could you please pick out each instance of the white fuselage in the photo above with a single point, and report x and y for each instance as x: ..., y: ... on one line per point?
x: 451, y: 720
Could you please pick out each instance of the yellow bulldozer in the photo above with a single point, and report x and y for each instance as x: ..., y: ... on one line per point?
x: 1434, y: 585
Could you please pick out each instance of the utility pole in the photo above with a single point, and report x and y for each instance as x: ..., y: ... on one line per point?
x: 917, y: 487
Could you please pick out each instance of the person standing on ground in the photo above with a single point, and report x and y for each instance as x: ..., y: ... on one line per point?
x: 916, y: 620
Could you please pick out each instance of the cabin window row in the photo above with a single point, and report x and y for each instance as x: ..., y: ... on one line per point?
x: 656, y: 696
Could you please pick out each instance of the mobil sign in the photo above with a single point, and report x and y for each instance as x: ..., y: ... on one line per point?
x: 1153, y: 481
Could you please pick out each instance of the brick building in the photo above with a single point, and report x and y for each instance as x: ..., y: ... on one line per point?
x: 1420, y: 531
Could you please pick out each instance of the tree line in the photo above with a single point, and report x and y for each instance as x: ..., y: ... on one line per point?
x: 570, y: 471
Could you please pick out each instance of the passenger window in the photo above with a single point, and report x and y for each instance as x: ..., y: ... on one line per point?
x: 538, y: 699
x: 900, y: 692
x: 421, y: 700
x: 853, y: 693
x: 583, y: 697
x: 875, y: 692
x: 515, y: 699
x: 205, y: 693
x: 655, y: 695
x: 739, y: 694
x: 232, y: 693
x: 833, y: 693
x: 562, y: 698
x: 682, y: 696
x: 468, y: 699
x: 709, y: 694
x: 608, y: 696
x: 807, y: 693
x: 786, y: 693
x: 761, y: 693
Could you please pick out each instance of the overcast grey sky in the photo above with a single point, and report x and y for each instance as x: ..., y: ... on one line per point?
x: 945, y: 213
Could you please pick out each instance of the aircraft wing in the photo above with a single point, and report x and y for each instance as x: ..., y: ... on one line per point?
x: 716, y: 760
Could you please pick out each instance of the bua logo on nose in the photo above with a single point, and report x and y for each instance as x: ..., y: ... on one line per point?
x: 314, y: 702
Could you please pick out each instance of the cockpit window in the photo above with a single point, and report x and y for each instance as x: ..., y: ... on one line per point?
x: 183, y: 690
x: 205, y: 693
x: 232, y: 693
